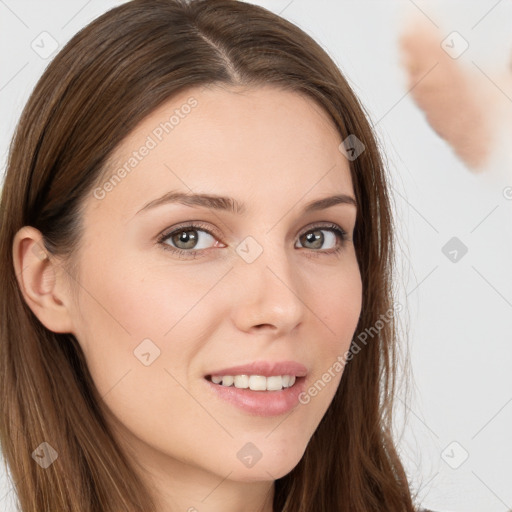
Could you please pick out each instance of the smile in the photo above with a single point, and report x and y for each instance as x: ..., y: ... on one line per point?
x: 254, y: 382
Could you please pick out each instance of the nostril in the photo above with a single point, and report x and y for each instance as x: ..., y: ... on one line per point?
x: 261, y: 326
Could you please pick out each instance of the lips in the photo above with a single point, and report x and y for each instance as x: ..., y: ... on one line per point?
x: 264, y: 368
x: 258, y: 403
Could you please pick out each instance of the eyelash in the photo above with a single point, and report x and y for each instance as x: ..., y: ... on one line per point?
x: 193, y: 253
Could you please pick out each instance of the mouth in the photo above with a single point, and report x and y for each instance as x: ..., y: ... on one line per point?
x: 259, y: 395
x: 256, y: 382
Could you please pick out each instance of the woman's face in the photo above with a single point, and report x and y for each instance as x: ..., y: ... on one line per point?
x: 173, y: 292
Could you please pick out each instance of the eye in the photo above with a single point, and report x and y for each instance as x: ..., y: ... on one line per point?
x: 188, y: 240
x: 192, y: 240
x: 315, y: 238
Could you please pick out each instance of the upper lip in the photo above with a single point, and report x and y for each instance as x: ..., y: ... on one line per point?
x: 264, y: 368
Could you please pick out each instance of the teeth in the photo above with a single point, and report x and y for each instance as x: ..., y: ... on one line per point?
x: 273, y: 383
x: 227, y: 380
x: 256, y: 382
x: 241, y: 381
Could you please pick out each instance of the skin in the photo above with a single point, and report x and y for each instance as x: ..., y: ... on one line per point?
x: 275, y: 151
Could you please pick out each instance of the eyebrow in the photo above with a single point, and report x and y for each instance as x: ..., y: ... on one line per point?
x: 230, y: 204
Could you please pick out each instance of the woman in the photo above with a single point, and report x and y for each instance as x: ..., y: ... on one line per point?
x: 197, y: 249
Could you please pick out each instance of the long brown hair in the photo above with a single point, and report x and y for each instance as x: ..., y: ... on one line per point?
x: 108, y: 78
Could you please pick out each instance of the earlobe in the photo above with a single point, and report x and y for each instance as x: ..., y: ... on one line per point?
x: 40, y: 281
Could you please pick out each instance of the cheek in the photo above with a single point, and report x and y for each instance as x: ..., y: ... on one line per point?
x: 337, y: 303
x: 335, y: 299
x: 141, y: 331
x: 128, y: 310
x: 144, y: 299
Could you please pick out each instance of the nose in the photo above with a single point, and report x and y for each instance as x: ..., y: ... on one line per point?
x: 268, y: 294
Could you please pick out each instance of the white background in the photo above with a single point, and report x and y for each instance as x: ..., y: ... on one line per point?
x: 458, y: 316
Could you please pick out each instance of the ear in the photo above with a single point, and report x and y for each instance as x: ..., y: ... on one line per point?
x: 41, y: 280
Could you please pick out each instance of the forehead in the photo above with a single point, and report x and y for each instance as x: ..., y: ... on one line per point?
x: 264, y: 143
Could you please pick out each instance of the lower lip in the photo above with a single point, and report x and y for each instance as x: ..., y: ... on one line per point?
x: 261, y: 403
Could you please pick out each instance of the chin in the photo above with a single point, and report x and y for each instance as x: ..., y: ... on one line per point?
x: 271, y: 466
